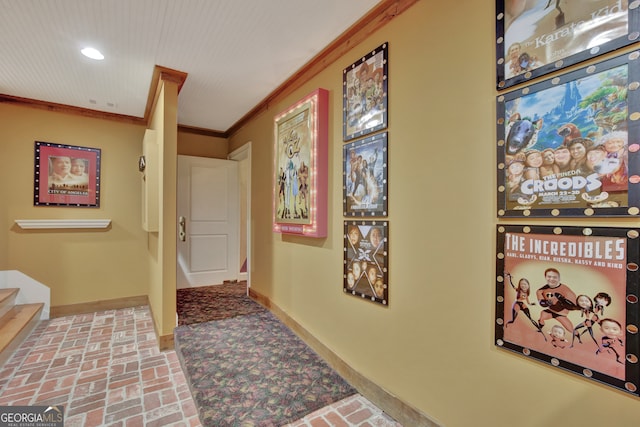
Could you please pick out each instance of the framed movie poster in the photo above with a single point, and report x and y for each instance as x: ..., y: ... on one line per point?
x: 300, y: 165
x: 568, y: 296
x: 536, y: 37
x: 66, y: 175
x: 569, y: 146
x: 366, y: 256
x: 364, y: 97
x: 364, y: 171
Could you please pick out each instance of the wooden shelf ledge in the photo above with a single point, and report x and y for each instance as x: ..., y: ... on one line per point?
x: 31, y: 224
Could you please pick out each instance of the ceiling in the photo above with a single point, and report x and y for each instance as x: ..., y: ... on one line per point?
x: 234, y: 52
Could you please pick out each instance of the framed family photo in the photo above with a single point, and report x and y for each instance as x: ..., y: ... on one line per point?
x: 569, y: 146
x: 568, y: 297
x: 364, y: 170
x: 536, y: 37
x: 364, y: 97
x: 66, y: 175
x: 300, y: 165
x: 366, y: 255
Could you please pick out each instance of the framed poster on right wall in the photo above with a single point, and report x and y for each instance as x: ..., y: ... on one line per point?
x: 570, y: 145
x: 537, y: 37
x: 568, y: 297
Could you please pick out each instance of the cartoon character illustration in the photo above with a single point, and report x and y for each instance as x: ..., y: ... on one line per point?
x: 558, y: 339
x: 568, y: 131
x: 611, y: 341
x: 601, y: 300
x: 521, y: 133
x: 586, y: 310
x: 521, y: 303
x: 557, y: 298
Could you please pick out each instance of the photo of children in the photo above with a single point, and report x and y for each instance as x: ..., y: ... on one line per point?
x: 556, y: 289
x: 365, y: 262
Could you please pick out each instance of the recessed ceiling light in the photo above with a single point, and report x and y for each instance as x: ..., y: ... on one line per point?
x: 92, y: 53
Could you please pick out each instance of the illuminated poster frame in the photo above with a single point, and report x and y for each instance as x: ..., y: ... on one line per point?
x: 300, y: 167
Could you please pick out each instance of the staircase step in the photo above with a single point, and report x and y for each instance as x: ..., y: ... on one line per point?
x: 15, y: 326
x: 7, y: 299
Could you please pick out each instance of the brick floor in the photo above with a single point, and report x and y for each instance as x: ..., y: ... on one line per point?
x: 106, y: 370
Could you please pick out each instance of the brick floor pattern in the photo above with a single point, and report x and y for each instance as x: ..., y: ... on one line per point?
x: 106, y: 370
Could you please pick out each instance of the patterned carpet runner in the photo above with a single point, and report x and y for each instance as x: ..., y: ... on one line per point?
x: 251, y: 370
x: 205, y: 303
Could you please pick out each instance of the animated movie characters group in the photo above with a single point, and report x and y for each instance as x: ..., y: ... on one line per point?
x: 557, y: 301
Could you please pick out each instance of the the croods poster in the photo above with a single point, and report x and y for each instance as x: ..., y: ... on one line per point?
x: 366, y: 246
x: 535, y: 37
x: 569, y: 296
x: 567, y: 146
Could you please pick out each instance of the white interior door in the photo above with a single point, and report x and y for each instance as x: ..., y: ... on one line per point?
x: 208, y: 221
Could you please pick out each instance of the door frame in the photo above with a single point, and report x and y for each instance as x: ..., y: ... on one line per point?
x: 240, y: 154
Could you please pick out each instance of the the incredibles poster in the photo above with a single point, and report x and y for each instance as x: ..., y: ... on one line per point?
x: 568, y: 296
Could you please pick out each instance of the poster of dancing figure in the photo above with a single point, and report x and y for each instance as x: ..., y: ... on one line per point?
x: 568, y: 296
x: 366, y: 254
x: 365, y: 177
x: 537, y: 37
x: 569, y: 146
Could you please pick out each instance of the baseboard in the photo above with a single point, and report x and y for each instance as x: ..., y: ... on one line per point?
x: 166, y: 342
x: 402, y: 412
x: 92, y: 307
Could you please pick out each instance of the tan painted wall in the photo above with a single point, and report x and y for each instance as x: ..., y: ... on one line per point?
x: 4, y: 241
x: 168, y: 219
x: 79, y: 266
x: 154, y: 242
x: 89, y: 266
x: 190, y: 144
x: 433, y: 346
x: 162, y: 245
